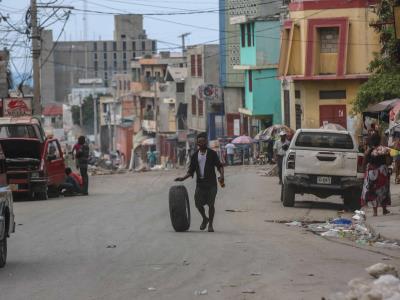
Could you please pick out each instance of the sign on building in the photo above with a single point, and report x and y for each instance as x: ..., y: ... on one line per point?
x: 210, y: 93
x: 17, y: 107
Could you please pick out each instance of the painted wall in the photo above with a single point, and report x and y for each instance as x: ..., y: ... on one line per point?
x: 266, y: 96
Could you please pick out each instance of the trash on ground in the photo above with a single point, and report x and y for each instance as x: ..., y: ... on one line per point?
x: 151, y: 289
x: 341, y: 221
x: 255, y: 274
x: 201, y: 293
x: 380, y: 269
x: 387, y: 244
x: 294, y: 223
x: 236, y: 210
x: 249, y: 292
x: 111, y: 246
x: 385, y: 287
x: 185, y: 262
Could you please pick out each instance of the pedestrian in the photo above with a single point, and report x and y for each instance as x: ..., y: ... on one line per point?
x: 73, y: 183
x: 230, y: 151
x: 203, y: 162
x: 151, y: 158
x: 376, y: 188
x: 397, y: 160
x: 270, y: 150
x: 280, y: 148
x: 82, y: 156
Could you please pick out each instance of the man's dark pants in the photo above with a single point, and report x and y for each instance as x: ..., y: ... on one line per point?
x: 230, y: 159
x: 205, y: 195
x: 85, y: 178
x: 280, y: 163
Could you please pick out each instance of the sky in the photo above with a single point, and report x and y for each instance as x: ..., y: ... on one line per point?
x: 165, y: 29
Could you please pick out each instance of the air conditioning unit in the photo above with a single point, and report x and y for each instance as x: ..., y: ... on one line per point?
x: 169, y: 101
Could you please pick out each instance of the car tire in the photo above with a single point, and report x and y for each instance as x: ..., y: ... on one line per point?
x: 287, y: 195
x: 41, y: 195
x: 179, y: 208
x: 3, y: 251
x: 351, y: 199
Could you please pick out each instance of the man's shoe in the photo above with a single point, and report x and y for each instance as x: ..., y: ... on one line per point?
x: 210, y: 228
x: 204, y: 224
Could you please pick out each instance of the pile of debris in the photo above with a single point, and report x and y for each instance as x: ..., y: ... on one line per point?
x: 269, y: 172
x: 97, y: 171
x: 386, y: 285
x: 355, y: 230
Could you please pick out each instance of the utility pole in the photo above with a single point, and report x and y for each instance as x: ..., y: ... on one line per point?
x: 183, y: 37
x: 37, y: 107
x: 95, y: 118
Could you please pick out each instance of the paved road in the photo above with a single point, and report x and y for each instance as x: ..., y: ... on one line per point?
x: 64, y: 248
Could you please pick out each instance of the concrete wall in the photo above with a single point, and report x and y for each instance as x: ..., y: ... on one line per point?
x: 130, y: 26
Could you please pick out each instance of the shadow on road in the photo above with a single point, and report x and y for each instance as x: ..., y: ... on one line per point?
x: 319, y: 205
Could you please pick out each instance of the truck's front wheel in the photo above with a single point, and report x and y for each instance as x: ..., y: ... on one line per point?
x: 41, y: 195
x: 3, y: 251
x: 287, y: 195
x: 352, y: 199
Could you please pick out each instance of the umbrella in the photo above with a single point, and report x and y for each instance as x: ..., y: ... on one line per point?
x: 386, y: 105
x: 243, y: 140
x: 273, y: 132
x: 333, y: 126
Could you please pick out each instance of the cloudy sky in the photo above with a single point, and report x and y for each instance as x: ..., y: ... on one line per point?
x: 165, y: 28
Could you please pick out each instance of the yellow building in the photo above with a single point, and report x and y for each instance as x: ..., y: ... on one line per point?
x: 326, y: 48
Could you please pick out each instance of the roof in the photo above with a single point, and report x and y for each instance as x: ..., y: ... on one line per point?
x: 325, y: 131
x: 177, y: 74
x: 52, y: 110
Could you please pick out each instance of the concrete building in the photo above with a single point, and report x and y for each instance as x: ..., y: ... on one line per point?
x: 259, y: 58
x: 232, y: 80
x: 203, y: 93
x: 64, y: 63
x: 326, y: 48
x: 4, y: 75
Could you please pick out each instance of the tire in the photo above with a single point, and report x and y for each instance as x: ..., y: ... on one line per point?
x: 179, y: 208
x: 351, y: 199
x: 3, y: 251
x: 287, y: 195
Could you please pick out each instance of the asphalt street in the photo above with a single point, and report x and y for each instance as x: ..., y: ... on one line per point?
x: 118, y: 243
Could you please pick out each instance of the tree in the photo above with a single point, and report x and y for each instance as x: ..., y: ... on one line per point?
x: 87, y: 114
x: 384, y: 84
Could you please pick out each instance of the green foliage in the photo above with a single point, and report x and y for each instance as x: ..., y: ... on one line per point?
x: 385, y: 83
x: 87, y: 114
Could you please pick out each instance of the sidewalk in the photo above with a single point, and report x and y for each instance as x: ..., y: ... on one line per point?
x: 387, y: 226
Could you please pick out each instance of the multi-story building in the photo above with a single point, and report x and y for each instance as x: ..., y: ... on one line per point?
x: 232, y: 80
x: 63, y: 63
x: 326, y: 48
x: 203, y: 94
x: 4, y: 75
x: 259, y: 57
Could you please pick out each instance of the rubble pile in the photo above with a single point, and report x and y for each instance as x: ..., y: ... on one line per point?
x: 385, y: 287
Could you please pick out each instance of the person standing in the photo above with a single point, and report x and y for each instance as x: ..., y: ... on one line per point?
x: 376, y: 188
x: 203, y: 162
x: 82, y: 156
x: 280, y: 148
x: 230, y: 151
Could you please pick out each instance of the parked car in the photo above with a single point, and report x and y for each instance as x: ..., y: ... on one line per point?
x: 7, y: 223
x: 35, y: 163
x: 323, y: 163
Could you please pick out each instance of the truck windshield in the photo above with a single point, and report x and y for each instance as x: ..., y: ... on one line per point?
x: 17, y: 131
x: 325, y: 140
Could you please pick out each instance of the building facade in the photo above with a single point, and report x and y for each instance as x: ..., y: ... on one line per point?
x: 326, y: 48
x: 64, y: 63
x: 4, y: 75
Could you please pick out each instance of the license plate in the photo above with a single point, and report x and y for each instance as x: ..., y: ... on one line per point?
x: 324, y: 180
x: 14, y: 187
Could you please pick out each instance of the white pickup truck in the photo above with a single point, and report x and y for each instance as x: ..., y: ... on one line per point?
x: 323, y: 163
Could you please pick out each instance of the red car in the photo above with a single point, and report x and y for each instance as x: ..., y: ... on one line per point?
x: 35, y: 164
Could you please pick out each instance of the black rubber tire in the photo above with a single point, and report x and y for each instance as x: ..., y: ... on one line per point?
x: 179, y: 208
x: 287, y: 195
x: 3, y: 251
x: 351, y: 199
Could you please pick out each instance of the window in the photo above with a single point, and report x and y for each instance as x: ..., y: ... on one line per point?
x: 123, y: 36
x: 95, y: 56
x: 53, y: 152
x: 120, y: 84
x: 250, y: 81
x: 297, y: 94
x: 96, y: 74
x: 115, y: 65
x: 143, y: 45
x: 201, y: 106
x: 96, y: 66
x: 193, y: 65
x: 199, y: 65
x: 180, y: 87
x: 124, y: 85
x: 325, y: 140
x: 124, y: 55
x: 115, y: 55
x: 339, y: 94
x: 114, y: 46
x: 104, y: 46
x: 105, y: 66
x: 243, y: 33
x: 194, y: 108
x: 248, y: 34
x: 252, y: 34
x: 133, y: 46
x: 105, y: 55
x: 134, y: 55
x: 154, y: 46
x: 94, y: 46
x: 125, y: 66
x: 53, y: 120
x: 329, y: 39
x: 124, y: 46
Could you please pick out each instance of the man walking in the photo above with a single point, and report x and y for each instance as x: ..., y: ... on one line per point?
x: 203, y: 163
x: 280, y: 148
x: 230, y: 151
x: 82, y: 156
